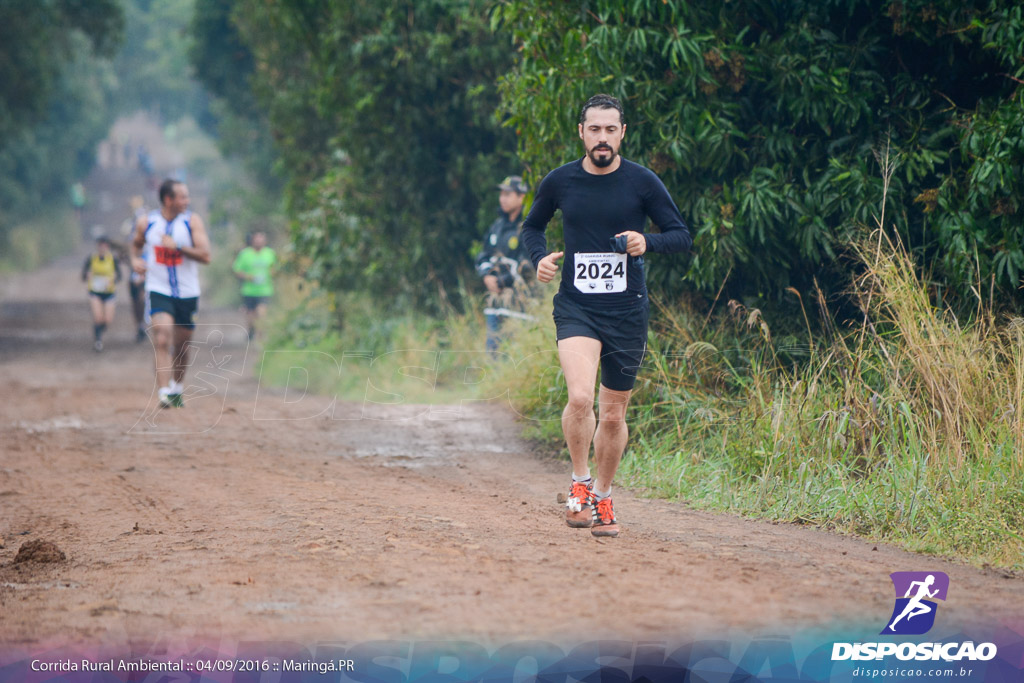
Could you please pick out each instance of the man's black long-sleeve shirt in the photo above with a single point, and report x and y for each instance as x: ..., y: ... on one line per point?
x: 594, y: 209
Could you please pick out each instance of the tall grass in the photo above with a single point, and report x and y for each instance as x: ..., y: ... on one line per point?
x: 348, y: 348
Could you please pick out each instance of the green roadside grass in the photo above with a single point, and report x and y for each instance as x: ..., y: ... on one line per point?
x: 36, y: 241
x: 341, y: 345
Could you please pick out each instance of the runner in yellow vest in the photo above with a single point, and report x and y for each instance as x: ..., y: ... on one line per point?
x: 101, y: 273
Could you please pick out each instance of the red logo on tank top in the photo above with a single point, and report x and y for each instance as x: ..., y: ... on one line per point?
x: 167, y: 257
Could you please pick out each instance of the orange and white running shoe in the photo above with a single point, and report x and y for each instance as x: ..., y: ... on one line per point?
x: 603, y: 518
x: 578, y: 505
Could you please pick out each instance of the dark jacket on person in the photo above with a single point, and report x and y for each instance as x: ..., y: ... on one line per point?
x: 502, y: 239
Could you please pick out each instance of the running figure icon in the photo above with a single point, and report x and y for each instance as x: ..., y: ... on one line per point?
x: 917, y: 594
x: 916, y: 607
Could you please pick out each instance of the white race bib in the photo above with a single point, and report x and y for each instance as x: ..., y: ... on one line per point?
x: 100, y: 283
x: 600, y: 273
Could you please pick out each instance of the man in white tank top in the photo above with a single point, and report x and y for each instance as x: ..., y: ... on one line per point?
x: 167, y: 247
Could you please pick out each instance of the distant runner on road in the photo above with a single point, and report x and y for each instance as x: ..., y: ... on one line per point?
x: 136, y: 281
x: 601, y: 308
x: 252, y: 266
x: 78, y: 200
x: 101, y: 273
x: 168, y: 246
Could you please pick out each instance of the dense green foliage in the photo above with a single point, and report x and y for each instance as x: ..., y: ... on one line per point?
x: 383, y: 118
x: 153, y: 66
x: 37, y: 41
x: 225, y: 66
x: 54, y: 86
x: 762, y: 117
x: 40, y: 161
x: 68, y: 68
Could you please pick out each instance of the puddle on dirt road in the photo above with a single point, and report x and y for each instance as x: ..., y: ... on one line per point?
x: 52, y: 425
x: 47, y: 585
x: 281, y: 610
x: 36, y: 335
x: 404, y: 456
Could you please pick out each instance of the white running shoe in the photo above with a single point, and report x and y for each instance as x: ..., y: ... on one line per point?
x: 178, y: 393
x: 165, y: 397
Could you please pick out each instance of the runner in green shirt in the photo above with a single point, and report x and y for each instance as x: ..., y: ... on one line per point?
x: 252, y: 267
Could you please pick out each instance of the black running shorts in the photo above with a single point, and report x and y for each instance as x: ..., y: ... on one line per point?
x: 182, y: 310
x: 622, y: 333
x: 251, y: 303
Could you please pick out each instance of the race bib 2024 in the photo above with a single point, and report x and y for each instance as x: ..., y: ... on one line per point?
x: 600, y: 273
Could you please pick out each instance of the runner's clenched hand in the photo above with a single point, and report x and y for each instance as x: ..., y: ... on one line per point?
x: 547, y: 267
x: 636, y: 244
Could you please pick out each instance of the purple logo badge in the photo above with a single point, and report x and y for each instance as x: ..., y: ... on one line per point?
x: 916, y: 592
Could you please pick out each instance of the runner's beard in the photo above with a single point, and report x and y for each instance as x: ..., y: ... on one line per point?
x: 599, y: 161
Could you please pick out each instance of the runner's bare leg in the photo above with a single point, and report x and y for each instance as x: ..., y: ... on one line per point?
x: 183, y: 352
x: 261, y: 313
x: 579, y: 357
x: 139, y: 310
x: 96, y: 306
x: 612, y: 435
x: 108, y: 309
x: 163, y: 338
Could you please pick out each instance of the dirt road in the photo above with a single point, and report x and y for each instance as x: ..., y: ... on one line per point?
x: 208, y: 522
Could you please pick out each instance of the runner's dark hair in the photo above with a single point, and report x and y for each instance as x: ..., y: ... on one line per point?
x: 603, y: 101
x: 167, y: 189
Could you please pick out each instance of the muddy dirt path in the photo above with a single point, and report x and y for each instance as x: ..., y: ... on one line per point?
x: 207, y: 522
